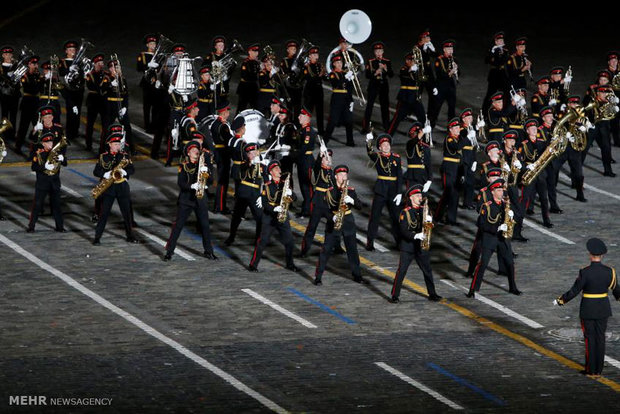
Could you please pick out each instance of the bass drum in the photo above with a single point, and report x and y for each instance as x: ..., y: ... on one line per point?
x: 257, y: 127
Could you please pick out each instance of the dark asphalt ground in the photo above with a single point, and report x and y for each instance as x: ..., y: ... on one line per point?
x: 505, y: 354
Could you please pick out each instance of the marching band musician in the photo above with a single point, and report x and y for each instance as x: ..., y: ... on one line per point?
x: 498, y: 116
x: 518, y: 64
x: 74, y: 95
x: 217, y: 53
x: 266, y: 85
x: 305, y: 160
x: 572, y: 154
x: 595, y: 280
x: 411, y: 234
x: 9, y: 93
x: 188, y: 182
x: 288, y: 139
x: 119, y: 190
x: 248, y: 192
x: 378, y: 71
x: 348, y: 231
x: 493, y: 152
x: 205, y: 94
x: 452, y: 149
x: 387, y: 189
x: 512, y: 190
x: 293, y: 86
x: 145, y: 66
x: 31, y: 87
x: 418, y: 152
x: 48, y: 181
x: 614, y: 70
x: 541, y: 98
x: 114, y: 86
x: 49, y: 93
x: 222, y: 134
x: 95, y: 100
x: 341, y: 103
x: 235, y: 147
x: 491, y: 222
x: 188, y: 123
x: 496, y: 57
x: 45, y: 125
x: 409, y: 95
x: 557, y: 89
x: 428, y: 58
x: 248, y: 83
x: 517, y: 114
x: 468, y: 157
x: 531, y: 149
x: 552, y: 170
x: 272, y: 194
x: 314, y: 73
x: 446, y: 79
x: 601, y: 131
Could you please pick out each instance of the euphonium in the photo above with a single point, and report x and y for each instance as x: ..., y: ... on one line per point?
x: 285, y: 200
x: 52, y: 158
x: 5, y: 124
x: 202, y: 178
x: 418, y: 60
x: 427, y: 227
x: 115, y: 175
x: 342, y: 207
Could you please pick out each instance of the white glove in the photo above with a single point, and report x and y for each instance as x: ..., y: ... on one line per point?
x: 10, y: 74
x: 397, y: 199
x: 430, y: 46
x: 518, y: 164
x: 225, y: 78
x: 204, y: 169
x: 473, y: 166
x: 114, y: 83
x: 260, y: 141
x: 562, y: 107
x: 212, y: 87
x: 471, y: 134
x: 175, y: 133
x: 555, y: 302
x: 570, y: 137
x: 288, y: 193
x: 506, y: 167
x: 259, y: 202
x: 122, y: 112
x: 552, y: 102
x: 427, y: 129
x: 496, y: 47
x: 195, y: 186
x: 273, y: 71
x: 49, y: 166
x: 48, y: 76
x: 418, y: 236
x: 435, y: 91
x: 349, y: 75
x: 613, y: 99
x: 61, y: 158
x: 38, y: 126
x: 502, y: 227
x: 568, y: 79
x: 288, y: 147
x: 75, y: 110
x: 153, y: 65
x: 531, y: 167
x: 335, y: 218
x: 4, y: 153
x: 616, y: 108
x: 265, y: 162
x: 429, y: 218
x: 170, y: 89
x: 323, y: 149
x: 427, y: 185
x: 351, y: 106
x: 157, y: 84
x: 107, y: 175
x: 123, y: 172
x: 255, y: 161
x: 369, y: 137
x: 511, y: 213
x: 583, y: 128
x: 413, y: 68
x: 349, y: 200
x: 480, y: 124
x: 277, y: 209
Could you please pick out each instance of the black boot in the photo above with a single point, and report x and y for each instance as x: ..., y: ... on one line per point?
x: 579, y: 186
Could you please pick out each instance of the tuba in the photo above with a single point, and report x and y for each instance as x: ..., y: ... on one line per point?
x: 202, y: 178
x: 80, y: 64
x: 299, y: 61
x: 342, y: 207
x: 285, y: 201
x: 427, y: 227
x: 5, y: 124
x: 220, y: 68
x: 115, y: 175
x: 52, y: 158
x: 22, y: 66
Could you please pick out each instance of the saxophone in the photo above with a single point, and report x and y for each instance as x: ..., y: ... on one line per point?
x: 5, y: 124
x: 52, y: 158
x: 342, y: 207
x: 107, y: 182
x: 202, y: 178
x: 514, y: 171
x: 427, y: 227
x: 508, y: 221
x: 285, y: 201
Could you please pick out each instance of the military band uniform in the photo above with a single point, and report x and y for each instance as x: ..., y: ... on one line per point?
x: 497, y: 80
x: 419, y: 167
x: 378, y: 86
x: 95, y: 104
x: 322, y: 181
x: 408, y: 99
x: 452, y: 150
x: 31, y: 85
x: 117, y: 98
x: 313, y: 76
x: 248, y: 84
x: 446, y: 88
x: 147, y: 84
x: 9, y: 92
x: 221, y: 133
x: 74, y: 97
x: 305, y: 162
x: 340, y: 107
x: 530, y: 152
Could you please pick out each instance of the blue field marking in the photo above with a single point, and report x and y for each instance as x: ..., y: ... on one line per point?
x: 322, y: 306
x: 215, y: 248
x: 87, y: 177
x: 472, y: 387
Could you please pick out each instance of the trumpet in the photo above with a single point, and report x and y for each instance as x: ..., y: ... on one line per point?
x: 569, y: 73
x: 451, y: 68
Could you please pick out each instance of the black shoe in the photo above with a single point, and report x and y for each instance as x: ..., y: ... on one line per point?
x: 292, y: 268
x: 60, y: 230
x: 94, y: 218
x: 229, y: 241
x: 548, y: 224
x: 469, y: 275
x: 582, y: 198
x: 131, y: 239
x: 225, y: 211
x: 530, y: 212
x: 613, y: 161
x: 303, y: 254
x: 361, y: 280
x: 2, y: 218
x: 317, y: 282
x: 609, y: 174
x: 134, y: 224
x: 556, y: 210
x: 210, y: 255
x: 515, y: 291
x: 252, y: 268
x: 434, y: 297
x: 470, y: 207
x: 370, y: 246
x: 470, y: 294
x: 502, y: 273
x: 350, y: 144
x: 515, y: 255
x: 393, y: 299
x: 30, y: 230
x: 301, y: 214
x: 338, y: 250
x: 167, y: 257
x: 97, y: 242
x: 520, y: 238
x: 453, y: 223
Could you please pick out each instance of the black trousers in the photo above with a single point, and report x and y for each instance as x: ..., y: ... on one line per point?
x: 332, y: 239
x: 241, y: 205
x: 552, y: 170
x: 118, y: 192
x: 95, y: 106
x: 313, y: 100
x: 450, y: 197
x: 445, y: 94
x: 202, y: 215
x: 594, y: 337
x: 601, y: 134
x: 423, y: 259
x: 27, y: 117
x: 73, y: 98
x: 304, y: 174
x: 403, y: 109
x: 317, y: 213
x: 271, y: 225
x: 468, y: 184
x: 37, y: 206
x: 111, y: 114
x: 383, y: 92
x: 378, y: 202
x: 340, y: 115
x: 504, y: 251
x: 9, y: 105
x: 159, y: 122
x: 149, y: 94
x: 528, y: 194
x: 223, y: 180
